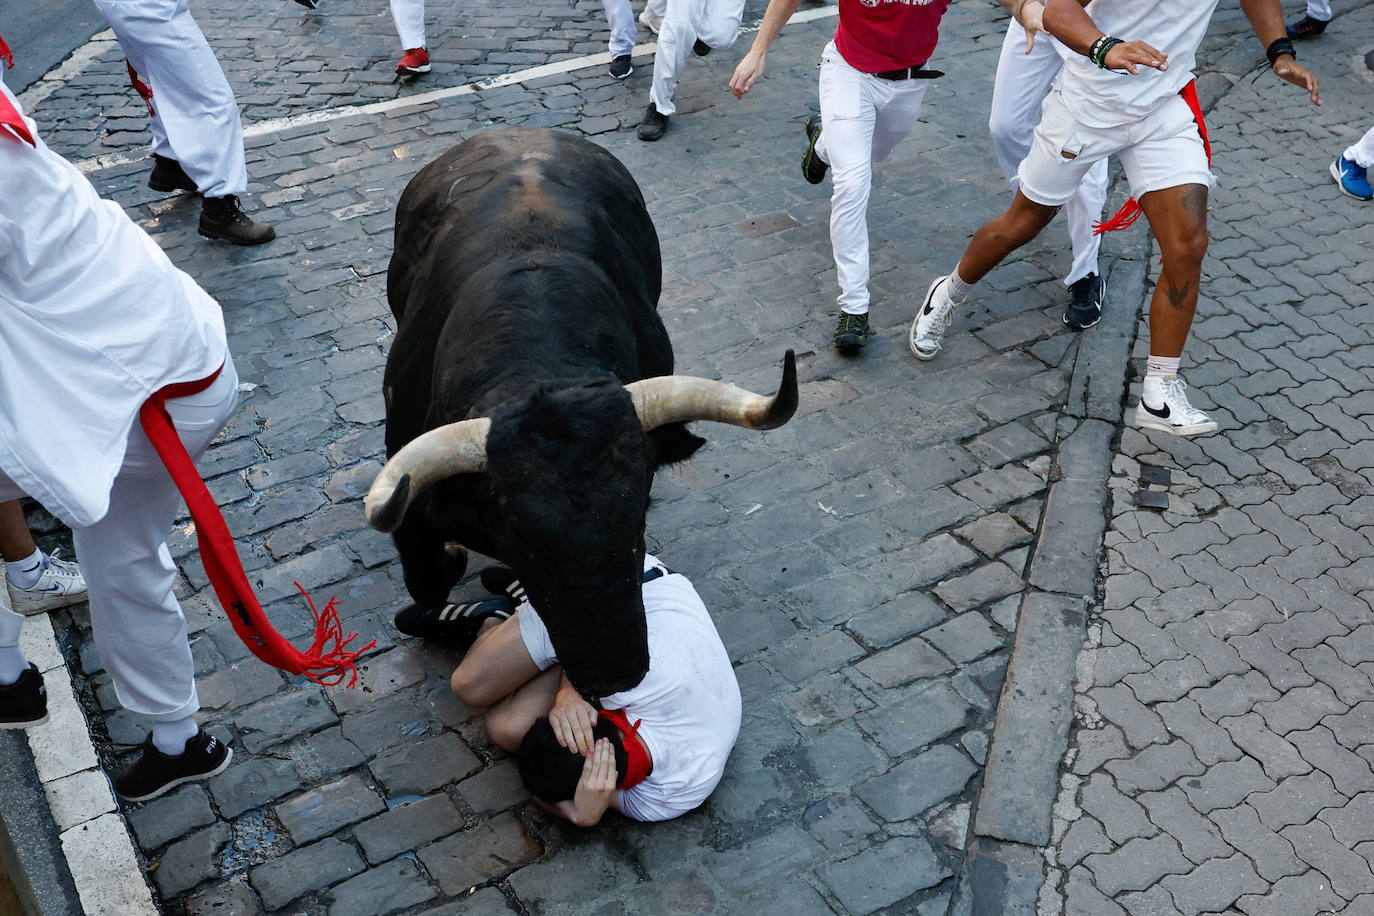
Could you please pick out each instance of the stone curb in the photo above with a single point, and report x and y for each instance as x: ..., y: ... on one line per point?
x: 30, y: 849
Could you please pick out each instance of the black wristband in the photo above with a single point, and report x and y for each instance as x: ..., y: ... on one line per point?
x: 1278, y: 48
x: 1098, y: 52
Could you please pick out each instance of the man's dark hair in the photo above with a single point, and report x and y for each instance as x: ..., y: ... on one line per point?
x: 551, y: 771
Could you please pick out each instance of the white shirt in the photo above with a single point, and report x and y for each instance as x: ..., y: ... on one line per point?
x: 93, y: 320
x: 688, y: 703
x: 1110, y: 98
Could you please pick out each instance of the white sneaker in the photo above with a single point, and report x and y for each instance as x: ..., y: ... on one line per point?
x: 650, y: 21
x: 933, y: 319
x: 1173, y: 414
x: 60, y: 584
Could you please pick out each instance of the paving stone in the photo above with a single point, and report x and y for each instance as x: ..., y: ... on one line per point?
x: 904, y: 615
x: 407, y: 827
x: 765, y: 861
x: 252, y: 783
x: 233, y: 898
x: 321, y: 811
x: 1226, y: 784
x: 985, y: 584
x: 1168, y: 680
x: 1122, y: 818
x: 1349, y: 772
x: 841, y: 755
x: 1138, y: 723
x: 378, y: 676
x: 840, y: 823
x: 1137, y: 865
x: 1271, y: 854
x: 801, y: 657
x: 1082, y: 898
x: 1310, y: 892
x: 237, y: 685
x: 995, y: 533
x: 884, y: 874
x: 824, y: 700
x: 918, y: 784
x: 1350, y: 824
x: 1153, y: 902
x: 909, y: 661
x: 307, y: 869
x: 394, y: 886
x: 597, y: 869
x: 1348, y: 871
x: 1155, y: 767
x: 965, y: 638
x: 494, y: 847
x: 1296, y: 800
x: 924, y: 716
x: 1355, y: 727
x: 425, y: 765
x: 191, y: 860
x: 1097, y: 746
x: 1198, y: 837
x: 1209, y: 742
x: 1279, y: 757
x: 1084, y: 837
x: 1234, y: 695
x: 282, y: 717
x: 1214, y: 885
x: 324, y: 754
x: 171, y: 816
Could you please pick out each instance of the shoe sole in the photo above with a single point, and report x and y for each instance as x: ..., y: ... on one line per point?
x: 911, y: 336
x: 412, y: 71
x: 621, y: 76
x: 651, y: 137
x: 228, y: 758
x: 1340, y: 185
x: 849, y: 344
x: 169, y: 188
x: 810, y: 156
x: 30, y: 724
x: 42, y: 607
x: 1101, y: 301
x: 237, y: 241
x: 1147, y: 421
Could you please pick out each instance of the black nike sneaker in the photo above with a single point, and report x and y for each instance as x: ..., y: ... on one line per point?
x: 1085, y: 302
x: 155, y: 773
x: 25, y: 702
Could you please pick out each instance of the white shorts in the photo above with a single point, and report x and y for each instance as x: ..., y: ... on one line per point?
x: 1161, y: 150
x: 536, y: 637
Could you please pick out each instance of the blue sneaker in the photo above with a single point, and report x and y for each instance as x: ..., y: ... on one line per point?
x: 1352, y: 179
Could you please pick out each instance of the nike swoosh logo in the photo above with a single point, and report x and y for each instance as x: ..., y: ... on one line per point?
x: 1161, y: 412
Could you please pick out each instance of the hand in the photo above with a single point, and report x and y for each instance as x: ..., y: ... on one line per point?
x: 1292, y: 71
x: 1031, y: 15
x: 596, y: 787
x: 747, y: 73
x: 572, y: 719
x: 1131, y: 55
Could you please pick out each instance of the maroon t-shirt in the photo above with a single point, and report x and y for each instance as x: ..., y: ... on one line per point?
x: 878, y: 35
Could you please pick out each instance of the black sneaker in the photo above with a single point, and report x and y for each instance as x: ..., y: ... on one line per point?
x: 851, y: 333
x: 501, y: 580
x: 168, y: 175
x: 654, y: 125
x: 1085, y: 302
x: 154, y: 772
x: 221, y: 218
x: 457, y: 623
x: 1307, y: 27
x: 25, y: 702
x: 309, y: 4
x: 813, y: 166
x: 621, y: 67
x: 700, y: 48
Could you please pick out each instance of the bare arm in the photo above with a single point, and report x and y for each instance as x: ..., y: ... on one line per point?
x: 751, y: 66
x: 1071, y: 24
x: 1266, y: 18
x: 595, y: 790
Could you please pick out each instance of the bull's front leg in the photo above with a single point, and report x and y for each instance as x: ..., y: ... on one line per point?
x: 430, y: 564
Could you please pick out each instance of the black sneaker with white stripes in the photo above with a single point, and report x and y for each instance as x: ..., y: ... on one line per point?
x: 25, y: 702
x: 457, y: 623
x: 154, y: 772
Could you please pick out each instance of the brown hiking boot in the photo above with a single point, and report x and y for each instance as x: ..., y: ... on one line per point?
x: 221, y: 218
x: 168, y: 175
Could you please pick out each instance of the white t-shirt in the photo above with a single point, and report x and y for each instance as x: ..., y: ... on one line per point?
x: 689, y: 702
x: 93, y: 320
x: 1110, y: 98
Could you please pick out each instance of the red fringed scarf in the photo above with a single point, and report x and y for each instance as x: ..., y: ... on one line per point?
x: 1130, y: 211
x: 145, y: 92
x: 638, y: 765
x: 327, y: 661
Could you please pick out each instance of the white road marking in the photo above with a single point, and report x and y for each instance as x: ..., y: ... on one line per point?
x: 57, y: 77
x: 325, y: 115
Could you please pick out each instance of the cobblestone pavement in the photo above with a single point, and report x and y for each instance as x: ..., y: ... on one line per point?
x: 864, y: 563
x: 1222, y: 757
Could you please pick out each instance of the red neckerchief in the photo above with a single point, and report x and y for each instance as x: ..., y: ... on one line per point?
x: 1130, y: 211
x: 638, y: 767
x: 221, y: 561
x: 9, y: 115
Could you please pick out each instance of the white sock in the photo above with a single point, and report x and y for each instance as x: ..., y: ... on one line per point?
x: 959, y: 290
x: 12, y: 664
x: 171, y: 737
x: 25, y: 573
x: 1161, y: 366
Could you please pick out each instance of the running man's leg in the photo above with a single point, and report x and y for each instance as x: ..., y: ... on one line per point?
x: 409, y: 16
x: 1362, y: 151
x: 848, y: 115
x: 718, y: 22
x: 895, y: 118
x: 1319, y: 9
x: 1178, y: 219
x: 620, y: 19
x: 497, y: 664
x: 509, y: 719
x: 675, y: 38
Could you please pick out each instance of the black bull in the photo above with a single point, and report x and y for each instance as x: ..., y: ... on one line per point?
x: 525, y: 282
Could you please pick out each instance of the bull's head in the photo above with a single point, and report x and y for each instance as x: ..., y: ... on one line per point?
x: 577, y: 507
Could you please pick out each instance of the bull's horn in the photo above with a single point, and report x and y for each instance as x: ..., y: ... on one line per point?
x: 683, y: 398
x: 458, y: 448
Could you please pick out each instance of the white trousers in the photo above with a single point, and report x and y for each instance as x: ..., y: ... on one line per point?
x: 409, y: 16
x: 621, y: 20
x: 138, y: 626
x: 1362, y: 153
x: 1020, y: 87
x: 195, y: 118
x: 863, y: 118
x: 1319, y: 9
x: 716, y: 22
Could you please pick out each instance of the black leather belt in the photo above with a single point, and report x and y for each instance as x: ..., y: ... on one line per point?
x: 918, y: 72
x: 655, y: 572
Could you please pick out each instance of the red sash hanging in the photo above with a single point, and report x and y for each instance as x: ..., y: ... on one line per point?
x: 327, y: 661
x: 9, y: 115
x: 1130, y: 211
x: 637, y: 764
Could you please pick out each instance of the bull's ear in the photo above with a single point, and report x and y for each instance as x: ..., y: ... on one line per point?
x: 675, y: 442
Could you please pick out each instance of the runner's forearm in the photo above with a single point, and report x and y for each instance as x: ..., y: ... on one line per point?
x: 1071, y: 24
x: 1266, y: 18
x: 774, y: 18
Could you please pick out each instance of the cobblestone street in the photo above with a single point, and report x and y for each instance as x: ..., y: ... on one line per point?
x: 867, y: 564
